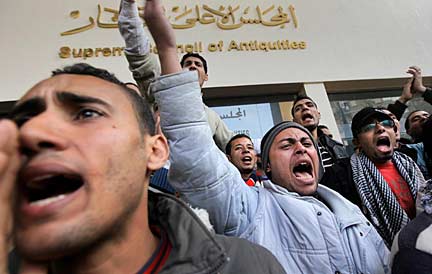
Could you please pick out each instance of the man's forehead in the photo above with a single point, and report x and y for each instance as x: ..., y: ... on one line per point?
x: 292, y: 133
x: 242, y: 140
x: 304, y: 101
x: 77, y: 84
x: 193, y: 59
x: 419, y: 113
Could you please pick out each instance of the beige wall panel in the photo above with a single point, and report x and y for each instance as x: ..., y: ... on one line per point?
x: 345, y: 40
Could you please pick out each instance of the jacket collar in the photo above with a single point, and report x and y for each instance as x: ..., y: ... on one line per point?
x: 342, y: 208
x: 194, y: 247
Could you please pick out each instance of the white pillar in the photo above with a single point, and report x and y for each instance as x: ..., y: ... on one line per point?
x: 318, y: 93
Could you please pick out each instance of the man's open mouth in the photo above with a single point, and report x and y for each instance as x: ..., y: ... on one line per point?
x: 47, y: 189
x: 246, y: 159
x: 383, y: 143
x: 303, y: 170
x: 307, y: 116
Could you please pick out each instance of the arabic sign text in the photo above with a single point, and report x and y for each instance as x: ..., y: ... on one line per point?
x: 225, y: 18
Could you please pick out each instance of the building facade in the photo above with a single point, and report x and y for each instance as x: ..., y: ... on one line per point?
x: 260, y: 53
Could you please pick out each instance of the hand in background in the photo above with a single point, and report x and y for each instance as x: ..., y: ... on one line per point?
x: 417, y: 84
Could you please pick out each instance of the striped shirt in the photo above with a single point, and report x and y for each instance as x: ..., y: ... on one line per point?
x: 326, y: 158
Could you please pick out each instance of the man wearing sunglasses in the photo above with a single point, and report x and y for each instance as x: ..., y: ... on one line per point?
x: 385, y: 179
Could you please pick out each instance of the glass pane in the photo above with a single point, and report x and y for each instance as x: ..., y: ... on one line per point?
x: 253, y: 120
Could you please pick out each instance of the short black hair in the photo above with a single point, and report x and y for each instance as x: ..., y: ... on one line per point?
x: 407, y: 122
x: 142, y: 108
x: 237, y: 136
x: 301, y: 97
x: 196, y: 55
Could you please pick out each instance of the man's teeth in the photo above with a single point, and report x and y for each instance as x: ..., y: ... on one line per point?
x: 47, y: 201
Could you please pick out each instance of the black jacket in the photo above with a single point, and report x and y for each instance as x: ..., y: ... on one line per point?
x: 398, y: 108
x: 339, y: 178
x: 336, y: 149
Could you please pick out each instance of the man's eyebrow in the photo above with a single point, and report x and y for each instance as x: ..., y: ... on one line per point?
x: 66, y: 97
x: 294, y: 140
x: 32, y: 106
x: 305, y: 139
x: 289, y: 140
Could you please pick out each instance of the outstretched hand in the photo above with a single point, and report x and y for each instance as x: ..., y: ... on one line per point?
x: 407, y: 91
x: 9, y: 166
x: 417, y: 84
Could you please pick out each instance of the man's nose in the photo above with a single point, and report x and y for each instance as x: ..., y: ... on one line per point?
x: 379, y: 128
x: 299, y: 148
x: 245, y: 150
x: 304, y: 107
x: 42, y: 132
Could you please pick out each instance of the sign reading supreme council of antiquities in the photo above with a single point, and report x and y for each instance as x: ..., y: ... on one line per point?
x: 188, y: 17
x: 220, y: 46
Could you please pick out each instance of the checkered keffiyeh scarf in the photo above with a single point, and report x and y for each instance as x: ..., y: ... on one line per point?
x: 377, y: 196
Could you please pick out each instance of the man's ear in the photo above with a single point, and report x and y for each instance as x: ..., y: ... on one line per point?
x: 319, y: 115
x: 268, y: 168
x: 158, y: 152
x: 206, y: 77
x: 355, y: 142
x: 229, y: 157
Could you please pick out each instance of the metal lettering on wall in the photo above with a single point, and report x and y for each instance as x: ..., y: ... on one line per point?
x: 233, y: 45
x: 225, y: 18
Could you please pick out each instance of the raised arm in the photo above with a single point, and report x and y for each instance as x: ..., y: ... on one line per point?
x: 142, y: 63
x: 199, y: 170
x: 399, y: 106
x: 411, y: 87
x: 418, y: 86
x: 163, y: 36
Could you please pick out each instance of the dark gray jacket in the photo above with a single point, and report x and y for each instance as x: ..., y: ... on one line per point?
x: 195, y: 249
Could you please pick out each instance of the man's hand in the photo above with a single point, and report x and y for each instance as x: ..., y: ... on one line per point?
x: 417, y: 84
x: 9, y: 166
x: 163, y: 35
x: 407, y: 92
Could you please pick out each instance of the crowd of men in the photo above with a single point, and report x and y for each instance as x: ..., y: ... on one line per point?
x: 81, y: 149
